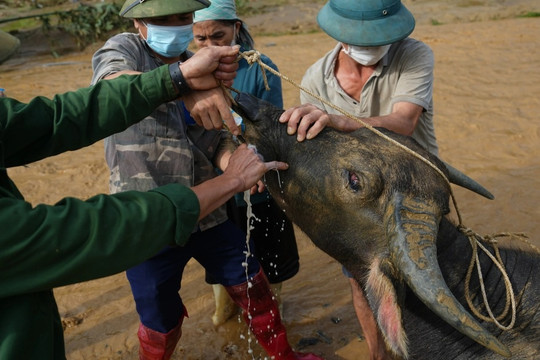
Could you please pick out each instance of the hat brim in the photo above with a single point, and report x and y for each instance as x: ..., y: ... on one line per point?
x: 153, y: 8
x: 373, y: 32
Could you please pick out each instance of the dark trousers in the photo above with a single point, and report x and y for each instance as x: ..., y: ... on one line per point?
x: 273, y: 237
x: 156, y: 282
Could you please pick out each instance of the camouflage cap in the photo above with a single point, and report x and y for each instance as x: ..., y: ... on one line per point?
x: 136, y: 9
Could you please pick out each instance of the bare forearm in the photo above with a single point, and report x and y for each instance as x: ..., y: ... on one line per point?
x: 402, y: 120
x: 307, y: 120
x: 392, y: 122
x: 215, y: 192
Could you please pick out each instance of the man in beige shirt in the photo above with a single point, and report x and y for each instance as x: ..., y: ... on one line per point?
x: 376, y: 73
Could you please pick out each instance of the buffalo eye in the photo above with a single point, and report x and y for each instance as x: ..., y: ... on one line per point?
x: 354, y: 182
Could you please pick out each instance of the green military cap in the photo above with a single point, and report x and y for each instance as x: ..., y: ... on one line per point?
x: 136, y: 9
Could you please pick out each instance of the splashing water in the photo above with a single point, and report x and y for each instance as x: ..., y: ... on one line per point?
x: 249, y: 215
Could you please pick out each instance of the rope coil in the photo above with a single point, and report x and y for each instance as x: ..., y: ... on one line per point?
x: 254, y: 56
x: 476, y: 241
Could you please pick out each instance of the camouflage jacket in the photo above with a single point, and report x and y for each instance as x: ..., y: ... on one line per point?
x: 163, y: 148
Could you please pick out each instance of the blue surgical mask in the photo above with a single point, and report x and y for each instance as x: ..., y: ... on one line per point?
x: 169, y: 41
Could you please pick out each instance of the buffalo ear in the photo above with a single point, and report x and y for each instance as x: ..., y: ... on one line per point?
x: 384, y: 297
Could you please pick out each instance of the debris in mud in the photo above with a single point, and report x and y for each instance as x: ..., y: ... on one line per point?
x: 305, y: 342
x: 310, y: 341
x: 72, y: 321
x: 230, y: 349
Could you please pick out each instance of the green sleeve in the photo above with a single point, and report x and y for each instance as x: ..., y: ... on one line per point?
x: 76, y: 119
x: 73, y: 241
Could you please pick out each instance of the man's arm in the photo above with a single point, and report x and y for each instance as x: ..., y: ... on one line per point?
x: 69, y: 121
x: 46, y: 127
x: 307, y: 120
x: 47, y: 246
x: 207, y: 106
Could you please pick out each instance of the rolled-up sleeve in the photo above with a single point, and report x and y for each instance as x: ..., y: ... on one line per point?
x: 415, y: 84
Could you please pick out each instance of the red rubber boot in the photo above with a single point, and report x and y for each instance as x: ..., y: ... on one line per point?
x: 261, y: 313
x: 154, y: 345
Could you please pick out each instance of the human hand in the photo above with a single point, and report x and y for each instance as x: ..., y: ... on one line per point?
x: 209, y: 65
x: 308, y: 121
x: 244, y: 170
x: 210, y: 108
x: 258, y: 187
x: 247, y: 165
x: 305, y: 120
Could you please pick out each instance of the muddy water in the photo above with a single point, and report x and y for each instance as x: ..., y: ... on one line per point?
x: 486, y: 104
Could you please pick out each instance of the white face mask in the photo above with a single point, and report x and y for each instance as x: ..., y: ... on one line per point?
x: 366, y: 55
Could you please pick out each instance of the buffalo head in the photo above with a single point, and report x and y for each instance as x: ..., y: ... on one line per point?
x: 373, y: 207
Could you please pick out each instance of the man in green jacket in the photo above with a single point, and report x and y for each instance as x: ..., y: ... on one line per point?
x: 43, y: 246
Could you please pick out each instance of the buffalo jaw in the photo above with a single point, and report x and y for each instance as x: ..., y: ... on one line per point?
x: 412, y: 226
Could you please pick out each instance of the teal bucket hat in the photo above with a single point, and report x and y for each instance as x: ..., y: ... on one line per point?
x: 366, y: 22
x: 218, y: 10
x: 137, y: 9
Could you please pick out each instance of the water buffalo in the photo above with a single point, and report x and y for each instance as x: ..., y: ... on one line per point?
x: 382, y: 214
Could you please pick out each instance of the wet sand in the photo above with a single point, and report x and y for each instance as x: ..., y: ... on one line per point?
x: 487, y: 87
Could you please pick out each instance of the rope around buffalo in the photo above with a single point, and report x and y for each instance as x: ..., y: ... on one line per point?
x: 253, y: 56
